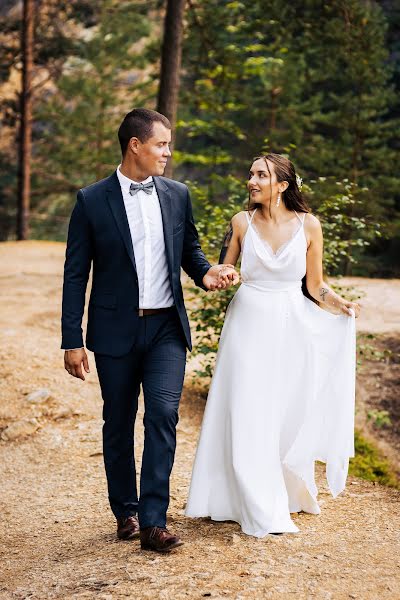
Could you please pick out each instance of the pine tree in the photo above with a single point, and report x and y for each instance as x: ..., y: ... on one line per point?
x: 25, y: 130
x: 52, y: 43
x: 76, y: 141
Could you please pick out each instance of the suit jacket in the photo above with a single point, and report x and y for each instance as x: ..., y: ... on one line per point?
x: 99, y: 234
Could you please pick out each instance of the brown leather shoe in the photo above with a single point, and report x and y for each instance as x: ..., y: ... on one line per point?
x: 128, y: 528
x: 158, y: 539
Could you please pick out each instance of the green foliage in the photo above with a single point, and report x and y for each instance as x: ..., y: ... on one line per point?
x: 52, y: 45
x: 209, y: 312
x: 78, y: 141
x: 308, y: 79
x: 92, y: 61
x: 367, y: 351
x: 380, y: 418
x: 345, y: 233
x: 369, y: 464
x: 212, y: 219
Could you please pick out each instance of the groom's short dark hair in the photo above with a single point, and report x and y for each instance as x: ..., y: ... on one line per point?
x: 139, y: 123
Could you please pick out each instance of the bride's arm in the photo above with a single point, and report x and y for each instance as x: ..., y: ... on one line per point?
x: 316, y: 285
x: 231, y: 246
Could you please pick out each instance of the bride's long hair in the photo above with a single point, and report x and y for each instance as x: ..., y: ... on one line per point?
x: 284, y: 171
x: 292, y: 196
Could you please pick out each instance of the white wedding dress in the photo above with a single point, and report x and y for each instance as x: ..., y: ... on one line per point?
x: 282, y: 397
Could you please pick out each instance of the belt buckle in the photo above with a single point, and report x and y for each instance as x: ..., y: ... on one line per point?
x: 141, y: 312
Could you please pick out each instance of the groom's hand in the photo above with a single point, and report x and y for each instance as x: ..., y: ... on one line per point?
x: 220, y: 277
x: 73, y: 361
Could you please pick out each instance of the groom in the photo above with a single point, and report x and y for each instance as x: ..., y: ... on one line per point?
x: 136, y: 230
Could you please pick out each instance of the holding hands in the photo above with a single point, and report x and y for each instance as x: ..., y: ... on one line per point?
x: 220, y: 277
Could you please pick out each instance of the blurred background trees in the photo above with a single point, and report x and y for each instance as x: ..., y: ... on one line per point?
x: 317, y: 81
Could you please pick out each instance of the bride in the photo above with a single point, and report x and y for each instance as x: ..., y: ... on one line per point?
x: 282, y: 394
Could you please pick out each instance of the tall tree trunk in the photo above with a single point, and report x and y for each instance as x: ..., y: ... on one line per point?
x: 170, y: 64
x: 25, y: 132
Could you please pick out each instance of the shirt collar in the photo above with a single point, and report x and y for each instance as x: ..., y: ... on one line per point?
x: 125, y: 182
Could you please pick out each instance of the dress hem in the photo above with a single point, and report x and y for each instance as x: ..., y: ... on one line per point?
x: 289, y: 528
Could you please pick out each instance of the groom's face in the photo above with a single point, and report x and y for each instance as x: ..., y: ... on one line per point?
x: 153, y: 154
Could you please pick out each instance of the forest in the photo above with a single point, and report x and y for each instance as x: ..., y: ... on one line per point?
x: 316, y: 81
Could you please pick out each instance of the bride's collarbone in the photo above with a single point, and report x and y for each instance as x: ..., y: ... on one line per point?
x: 276, y: 234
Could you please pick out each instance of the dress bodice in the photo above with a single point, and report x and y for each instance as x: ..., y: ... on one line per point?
x: 261, y: 264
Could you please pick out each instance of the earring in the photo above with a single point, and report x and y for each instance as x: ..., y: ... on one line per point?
x: 278, y: 200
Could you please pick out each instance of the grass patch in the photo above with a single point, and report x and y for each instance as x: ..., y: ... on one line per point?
x: 369, y: 464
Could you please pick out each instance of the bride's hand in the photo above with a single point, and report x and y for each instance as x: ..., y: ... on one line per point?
x: 348, y: 307
x: 220, y: 277
x: 227, y: 276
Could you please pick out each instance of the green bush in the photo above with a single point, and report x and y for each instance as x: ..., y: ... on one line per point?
x: 369, y: 464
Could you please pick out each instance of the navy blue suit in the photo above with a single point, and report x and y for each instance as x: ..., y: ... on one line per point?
x: 131, y: 351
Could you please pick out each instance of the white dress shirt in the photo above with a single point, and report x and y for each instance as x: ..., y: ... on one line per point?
x: 146, y: 227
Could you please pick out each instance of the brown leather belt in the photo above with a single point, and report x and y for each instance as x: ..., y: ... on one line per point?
x: 145, y: 312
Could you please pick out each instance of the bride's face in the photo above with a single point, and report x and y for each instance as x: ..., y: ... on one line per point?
x: 261, y: 183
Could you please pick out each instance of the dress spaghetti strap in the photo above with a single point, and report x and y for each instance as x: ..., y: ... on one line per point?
x: 299, y: 218
x: 249, y: 219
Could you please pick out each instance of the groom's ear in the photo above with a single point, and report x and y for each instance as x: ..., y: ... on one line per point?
x: 134, y: 144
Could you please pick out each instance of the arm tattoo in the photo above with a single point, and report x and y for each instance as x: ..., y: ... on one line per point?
x: 323, y: 292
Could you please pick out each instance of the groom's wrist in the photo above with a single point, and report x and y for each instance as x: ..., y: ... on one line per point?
x: 68, y: 349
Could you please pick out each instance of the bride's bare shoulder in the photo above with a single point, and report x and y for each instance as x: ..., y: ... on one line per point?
x: 239, y: 220
x: 312, y: 223
x: 313, y: 229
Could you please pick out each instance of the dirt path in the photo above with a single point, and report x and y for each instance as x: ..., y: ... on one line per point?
x: 380, y: 302
x: 57, y: 535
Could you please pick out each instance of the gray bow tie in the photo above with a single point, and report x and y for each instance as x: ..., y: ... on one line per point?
x: 136, y: 187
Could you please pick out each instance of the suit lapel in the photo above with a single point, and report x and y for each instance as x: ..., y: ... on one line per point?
x: 116, y: 202
x: 164, y: 198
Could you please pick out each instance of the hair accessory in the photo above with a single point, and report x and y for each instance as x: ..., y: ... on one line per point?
x: 299, y: 181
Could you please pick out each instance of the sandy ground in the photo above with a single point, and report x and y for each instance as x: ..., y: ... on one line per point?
x: 57, y: 534
x: 380, y: 302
